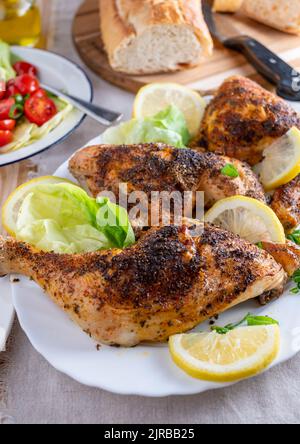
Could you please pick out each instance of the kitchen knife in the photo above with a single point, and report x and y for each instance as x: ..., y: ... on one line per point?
x: 267, y: 63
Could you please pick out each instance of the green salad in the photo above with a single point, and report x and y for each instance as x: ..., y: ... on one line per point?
x: 168, y: 126
x: 63, y: 218
x: 27, y: 111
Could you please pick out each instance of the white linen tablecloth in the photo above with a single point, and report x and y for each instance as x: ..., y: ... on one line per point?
x: 37, y: 393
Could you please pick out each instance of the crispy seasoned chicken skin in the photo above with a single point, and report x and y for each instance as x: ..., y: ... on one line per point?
x: 243, y: 119
x: 158, y: 167
x: 286, y: 204
x: 288, y: 255
x: 167, y: 283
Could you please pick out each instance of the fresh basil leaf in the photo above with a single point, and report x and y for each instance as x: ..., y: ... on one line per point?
x: 230, y: 171
x: 220, y: 330
x: 294, y: 237
x: 296, y: 279
x: 249, y: 319
x: 295, y: 290
x: 260, y: 320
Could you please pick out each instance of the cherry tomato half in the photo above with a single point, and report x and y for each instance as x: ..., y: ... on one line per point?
x: 7, y: 124
x: 5, y: 106
x: 40, y: 93
x: 26, y: 84
x: 11, y: 89
x: 39, y: 109
x: 2, y: 89
x: 25, y: 68
x: 5, y: 137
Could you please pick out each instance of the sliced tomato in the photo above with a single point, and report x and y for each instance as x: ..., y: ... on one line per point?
x: 5, y: 106
x: 25, y: 68
x: 11, y: 89
x: 39, y: 109
x: 27, y: 84
x: 7, y: 124
x: 40, y: 93
x: 2, y: 89
x: 5, y: 137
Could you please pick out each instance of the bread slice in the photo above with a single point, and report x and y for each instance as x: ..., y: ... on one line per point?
x: 227, y: 5
x: 280, y: 14
x: 151, y: 36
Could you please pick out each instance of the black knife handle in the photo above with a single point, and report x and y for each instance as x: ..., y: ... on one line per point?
x: 269, y: 65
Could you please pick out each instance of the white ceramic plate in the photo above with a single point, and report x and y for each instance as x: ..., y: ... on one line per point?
x: 57, y: 71
x: 6, y: 311
x: 144, y: 370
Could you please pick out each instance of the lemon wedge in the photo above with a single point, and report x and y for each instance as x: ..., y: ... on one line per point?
x: 13, y: 203
x: 249, y: 218
x: 155, y: 97
x: 238, y: 354
x: 281, y: 162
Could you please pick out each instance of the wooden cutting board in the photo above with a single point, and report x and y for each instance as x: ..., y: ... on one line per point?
x: 207, y: 75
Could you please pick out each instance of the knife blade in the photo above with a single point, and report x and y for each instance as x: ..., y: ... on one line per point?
x: 266, y: 62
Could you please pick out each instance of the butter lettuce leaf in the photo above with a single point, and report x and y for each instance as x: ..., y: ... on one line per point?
x: 6, y: 70
x: 113, y: 221
x: 64, y: 219
x: 168, y: 126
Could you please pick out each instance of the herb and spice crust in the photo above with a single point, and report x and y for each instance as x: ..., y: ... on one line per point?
x: 167, y: 283
x: 243, y: 119
x: 159, y: 167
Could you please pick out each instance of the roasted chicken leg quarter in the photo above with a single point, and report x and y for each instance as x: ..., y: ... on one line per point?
x: 243, y: 119
x: 286, y: 203
x: 167, y: 283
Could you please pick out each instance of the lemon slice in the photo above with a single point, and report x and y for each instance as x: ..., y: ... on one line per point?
x: 238, y: 354
x: 155, y: 97
x: 281, y: 162
x: 12, y: 205
x: 249, y: 218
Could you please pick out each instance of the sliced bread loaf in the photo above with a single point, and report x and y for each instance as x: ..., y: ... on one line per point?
x: 150, y: 36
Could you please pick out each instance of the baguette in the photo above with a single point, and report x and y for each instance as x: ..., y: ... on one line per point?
x: 227, y: 5
x: 151, y: 36
x: 281, y: 14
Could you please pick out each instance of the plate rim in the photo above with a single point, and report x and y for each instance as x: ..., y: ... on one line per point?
x: 83, y: 117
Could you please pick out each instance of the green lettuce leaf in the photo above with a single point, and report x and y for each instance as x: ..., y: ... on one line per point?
x: 64, y: 219
x: 168, y: 126
x: 113, y: 221
x: 6, y: 70
x: 48, y: 235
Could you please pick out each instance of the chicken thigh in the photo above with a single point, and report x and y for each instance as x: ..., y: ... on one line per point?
x: 286, y: 204
x: 167, y: 283
x: 158, y: 167
x: 243, y: 119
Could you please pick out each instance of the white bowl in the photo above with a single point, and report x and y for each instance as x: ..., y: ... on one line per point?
x: 54, y: 70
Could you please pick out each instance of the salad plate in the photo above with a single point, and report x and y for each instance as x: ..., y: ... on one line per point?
x: 146, y: 370
x: 54, y: 70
